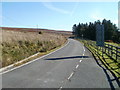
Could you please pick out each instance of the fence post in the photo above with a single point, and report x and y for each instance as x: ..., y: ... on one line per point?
x: 98, y: 49
x: 108, y: 49
x: 105, y: 49
x: 111, y: 50
x: 116, y: 52
x: 102, y: 51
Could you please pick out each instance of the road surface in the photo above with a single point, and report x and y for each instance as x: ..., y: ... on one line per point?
x: 73, y: 66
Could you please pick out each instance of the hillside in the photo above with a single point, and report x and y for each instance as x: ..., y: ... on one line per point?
x: 37, y: 30
x: 20, y: 43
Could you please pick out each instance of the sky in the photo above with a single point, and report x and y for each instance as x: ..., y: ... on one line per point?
x: 56, y: 15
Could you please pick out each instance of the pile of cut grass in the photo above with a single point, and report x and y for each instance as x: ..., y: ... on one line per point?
x: 20, y: 45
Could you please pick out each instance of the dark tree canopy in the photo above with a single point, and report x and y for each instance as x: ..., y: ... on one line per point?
x: 88, y: 31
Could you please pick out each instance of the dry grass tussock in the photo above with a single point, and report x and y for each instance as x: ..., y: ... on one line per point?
x: 19, y: 45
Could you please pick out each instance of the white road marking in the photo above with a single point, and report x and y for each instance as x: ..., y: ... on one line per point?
x: 80, y: 61
x: 70, y: 75
x: 33, y: 60
x: 60, y: 88
x: 77, y: 66
x: 84, y: 50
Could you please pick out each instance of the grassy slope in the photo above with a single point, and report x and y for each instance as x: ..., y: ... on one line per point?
x: 19, y: 45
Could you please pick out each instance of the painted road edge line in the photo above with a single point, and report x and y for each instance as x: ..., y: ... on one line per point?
x: 34, y: 59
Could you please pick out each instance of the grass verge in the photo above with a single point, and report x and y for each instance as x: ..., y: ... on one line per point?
x: 107, y: 62
x: 37, y: 56
x: 16, y: 46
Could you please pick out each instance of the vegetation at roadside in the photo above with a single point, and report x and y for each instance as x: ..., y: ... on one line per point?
x: 112, y: 37
x: 20, y: 45
x: 106, y: 60
x: 88, y: 31
x: 112, y: 43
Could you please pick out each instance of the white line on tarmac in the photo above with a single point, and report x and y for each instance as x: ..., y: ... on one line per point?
x: 80, y: 61
x: 60, y: 88
x: 70, y: 75
x: 77, y: 66
x: 83, y: 51
x: 33, y: 60
x: 83, y: 48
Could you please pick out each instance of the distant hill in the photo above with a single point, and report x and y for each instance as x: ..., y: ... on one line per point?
x: 36, y: 30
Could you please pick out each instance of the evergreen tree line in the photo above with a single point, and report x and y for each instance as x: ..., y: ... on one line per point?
x: 88, y: 31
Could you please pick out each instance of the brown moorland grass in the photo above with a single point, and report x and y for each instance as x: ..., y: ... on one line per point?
x: 20, y: 45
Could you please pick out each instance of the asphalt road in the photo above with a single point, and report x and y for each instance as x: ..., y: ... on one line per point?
x: 73, y: 66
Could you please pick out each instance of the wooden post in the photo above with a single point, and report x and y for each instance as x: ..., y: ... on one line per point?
x: 111, y: 50
x: 116, y: 52
x: 108, y: 49
x: 105, y: 49
x: 102, y: 51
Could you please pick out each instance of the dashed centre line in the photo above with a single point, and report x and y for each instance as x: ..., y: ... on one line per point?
x: 80, y: 61
x: 70, y: 75
x: 77, y: 66
x: 60, y: 88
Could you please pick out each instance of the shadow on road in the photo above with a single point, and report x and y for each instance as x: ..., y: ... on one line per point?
x: 110, y: 80
x: 73, y: 57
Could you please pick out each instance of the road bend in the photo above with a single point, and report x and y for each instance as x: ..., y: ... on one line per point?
x: 72, y: 66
